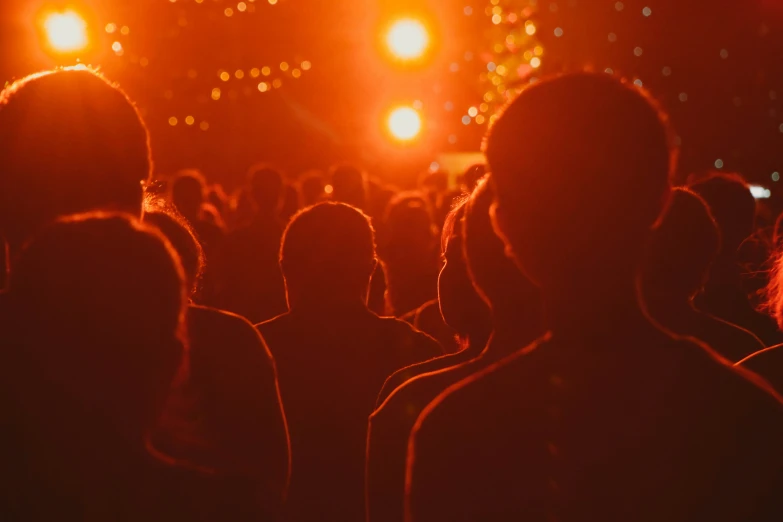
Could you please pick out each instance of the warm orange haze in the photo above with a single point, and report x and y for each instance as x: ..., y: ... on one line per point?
x: 391, y: 261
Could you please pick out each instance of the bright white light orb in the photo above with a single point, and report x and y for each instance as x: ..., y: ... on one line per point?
x: 404, y: 123
x: 407, y: 39
x: 66, y: 31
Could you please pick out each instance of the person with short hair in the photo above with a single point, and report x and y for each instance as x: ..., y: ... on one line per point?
x: 607, y: 416
x: 333, y: 355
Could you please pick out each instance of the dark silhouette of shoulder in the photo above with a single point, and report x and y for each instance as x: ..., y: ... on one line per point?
x: 519, y: 426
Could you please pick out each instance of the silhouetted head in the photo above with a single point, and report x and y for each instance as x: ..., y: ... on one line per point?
x: 311, y: 188
x: 349, y: 185
x: 732, y: 205
x: 266, y: 186
x: 101, y: 299
x: 188, y: 191
x: 182, y: 238
x: 461, y: 307
x: 682, y: 247
x: 328, y: 253
x: 581, y: 164
x: 408, y: 224
x: 497, y: 279
x: 70, y: 141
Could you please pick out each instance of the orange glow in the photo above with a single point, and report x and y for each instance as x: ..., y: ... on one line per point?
x: 66, y: 31
x: 407, y: 39
x: 404, y: 123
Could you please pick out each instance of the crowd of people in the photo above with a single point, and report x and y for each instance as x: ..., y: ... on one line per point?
x: 560, y: 335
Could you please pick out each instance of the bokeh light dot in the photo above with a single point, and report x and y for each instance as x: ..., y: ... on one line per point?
x: 228, y: 11
x: 466, y: 120
x: 612, y: 37
x: 190, y: 120
x: 215, y: 93
x: 646, y: 11
x: 306, y: 65
x: 203, y: 125
x: 776, y: 176
x: 535, y: 63
x: 225, y: 76
x: 110, y: 28
x: 241, y: 7
x: 472, y: 112
x: 239, y: 74
x: 255, y: 72
x: 718, y: 163
x: 558, y: 32
x: 266, y: 71
x: 263, y: 86
x: 173, y: 121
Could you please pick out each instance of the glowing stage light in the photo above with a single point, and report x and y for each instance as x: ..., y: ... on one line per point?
x: 66, y: 31
x: 407, y: 39
x: 404, y: 123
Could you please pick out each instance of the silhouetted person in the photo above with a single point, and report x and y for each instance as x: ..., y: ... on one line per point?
x: 70, y: 141
x: 734, y: 209
x: 78, y: 144
x: 409, y: 252
x: 516, y: 315
x: 458, y: 307
x: 227, y: 414
x: 349, y: 185
x: 90, y: 382
x: 254, y: 285
x: 333, y: 355
x: 608, y: 417
x: 675, y: 269
x: 188, y: 194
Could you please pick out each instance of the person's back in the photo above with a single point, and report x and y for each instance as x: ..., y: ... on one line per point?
x: 724, y: 295
x: 332, y: 356
x: 515, y: 319
x: 227, y: 414
x: 676, y: 266
x: 609, y: 417
x: 91, y: 385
